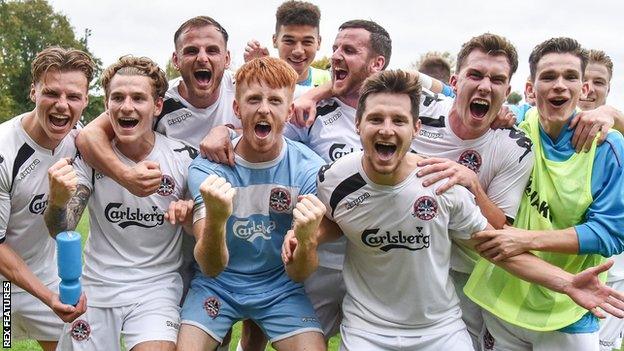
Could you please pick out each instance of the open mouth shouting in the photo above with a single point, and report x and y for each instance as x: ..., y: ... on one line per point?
x: 127, y: 122
x: 262, y: 129
x: 479, y: 107
x: 385, y: 150
x: 203, y: 76
x: 339, y: 74
x: 558, y: 101
x: 59, y: 121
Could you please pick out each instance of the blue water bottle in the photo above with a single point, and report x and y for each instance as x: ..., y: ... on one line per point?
x: 69, y: 257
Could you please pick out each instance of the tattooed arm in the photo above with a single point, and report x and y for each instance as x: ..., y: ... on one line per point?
x: 67, y: 199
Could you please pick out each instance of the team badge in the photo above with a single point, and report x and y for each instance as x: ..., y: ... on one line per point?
x: 425, y: 208
x: 470, y: 159
x: 212, y: 305
x: 488, y: 340
x: 280, y: 200
x: 80, y: 330
x: 166, y: 186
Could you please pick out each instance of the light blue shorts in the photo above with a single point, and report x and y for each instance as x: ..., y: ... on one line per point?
x: 280, y: 314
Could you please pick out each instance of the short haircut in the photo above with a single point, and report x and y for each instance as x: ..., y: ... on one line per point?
x: 600, y: 57
x: 136, y: 66
x: 560, y: 45
x: 63, y: 60
x: 392, y: 82
x: 490, y: 44
x: 271, y: 71
x: 436, y: 66
x: 380, y: 41
x: 297, y: 13
x: 198, y: 22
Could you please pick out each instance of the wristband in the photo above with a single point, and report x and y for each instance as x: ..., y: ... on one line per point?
x: 447, y: 91
x: 425, y: 81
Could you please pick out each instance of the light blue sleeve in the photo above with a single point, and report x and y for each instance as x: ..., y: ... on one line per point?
x: 603, y: 231
x: 197, y: 173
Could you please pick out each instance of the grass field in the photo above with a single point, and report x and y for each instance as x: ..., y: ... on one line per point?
x: 83, y: 229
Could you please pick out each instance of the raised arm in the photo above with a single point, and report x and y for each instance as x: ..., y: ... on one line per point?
x: 211, y: 250
x: 94, y: 143
x: 67, y: 199
x: 307, y: 214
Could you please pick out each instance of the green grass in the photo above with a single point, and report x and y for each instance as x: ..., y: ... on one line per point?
x: 83, y: 229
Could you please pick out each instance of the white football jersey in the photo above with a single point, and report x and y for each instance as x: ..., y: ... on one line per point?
x: 24, y: 193
x: 332, y: 136
x: 398, y: 250
x: 501, y: 158
x: 131, y: 246
x: 181, y: 120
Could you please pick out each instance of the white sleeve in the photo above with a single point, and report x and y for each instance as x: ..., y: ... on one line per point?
x: 84, y: 172
x: 324, y: 188
x: 465, y: 216
x: 5, y: 197
x: 506, y: 188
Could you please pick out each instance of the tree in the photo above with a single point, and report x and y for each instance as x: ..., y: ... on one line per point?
x: 322, y: 63
x: 26, y: 28
x: 514, y: 98
x: 171, y: 71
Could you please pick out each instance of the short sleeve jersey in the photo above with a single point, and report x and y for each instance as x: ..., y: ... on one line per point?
x: 24, y: 191
x: 398, y: 249
x: 501, y: 158
x: 131, y: 246
x: 266, y: 194
x: 181, y: 120
x: 332, y: 136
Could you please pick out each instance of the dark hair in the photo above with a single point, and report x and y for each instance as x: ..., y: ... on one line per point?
x: 393, y: 82
x: 380, y: 41
x: 198, y: 22
x: 137, y: 66
x: 298, y: 13
x: 601, y: 57
x: 436, y: 66
x: 560, y: 45
x: 491, y: 44
x: 61, y: 59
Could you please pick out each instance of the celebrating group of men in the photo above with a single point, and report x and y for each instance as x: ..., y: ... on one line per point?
x: 402, y: 211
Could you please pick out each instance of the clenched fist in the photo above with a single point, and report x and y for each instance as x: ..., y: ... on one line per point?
x: 307, y: 217
x: 218, y: 197
x: 63, y: 182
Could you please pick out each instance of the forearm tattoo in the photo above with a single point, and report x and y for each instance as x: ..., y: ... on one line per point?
x: 67, y: 218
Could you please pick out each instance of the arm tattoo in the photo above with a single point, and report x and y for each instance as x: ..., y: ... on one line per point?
x: 67, y: 218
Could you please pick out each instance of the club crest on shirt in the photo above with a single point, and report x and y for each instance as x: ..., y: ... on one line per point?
x: 167, y: 184
x: 488, y: 340
x: 280, y: 200
x: 80, y: 330
x: 425, y: 208
x: 212, y: 305
x: 470, y: 159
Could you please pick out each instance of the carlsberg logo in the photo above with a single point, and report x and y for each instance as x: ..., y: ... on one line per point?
x: 126, y: 217
x: 386, y: 240
x: 250, y: 229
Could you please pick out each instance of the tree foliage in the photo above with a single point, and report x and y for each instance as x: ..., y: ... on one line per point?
x: 322, y: 63
x: 26, y: 28
x: 514, y: 98
x: 171, y: 71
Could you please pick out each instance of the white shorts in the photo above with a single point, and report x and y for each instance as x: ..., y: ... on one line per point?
x: 508, y: 337
x: 326, y: 290
x: 155, y: 318
x: 357, y: 339
x: 612, y: 328
x: 472, y: 314
x: 32, y: 319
